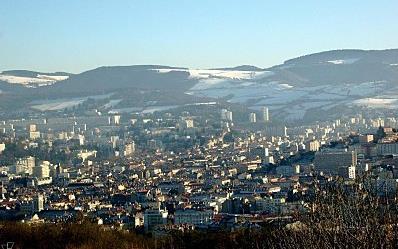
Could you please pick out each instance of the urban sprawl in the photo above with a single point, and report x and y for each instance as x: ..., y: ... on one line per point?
x: 177, y: 170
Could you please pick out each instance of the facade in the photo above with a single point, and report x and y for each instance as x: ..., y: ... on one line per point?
x: 387, y: 148
x: 129, y: 149
x: 194, y: 217
x: 2, y: 147
x: 186, y: 123
x: 34, y: 135
x: 276, y: 131
x: 38, y: 203
x: 330, y: 161
x: 154, y: 217
x: 42, y: 170
x: 226, y: 115
x: 252, y: 117
x: 25, y: 165
x: 265, y: 113
x: 313, y: 145
x: 363, y: 139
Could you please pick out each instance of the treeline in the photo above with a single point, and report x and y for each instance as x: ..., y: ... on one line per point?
x: 91, y: 236
x: 341, y: 216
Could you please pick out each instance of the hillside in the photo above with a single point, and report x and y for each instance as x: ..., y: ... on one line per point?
x: 314, y: 86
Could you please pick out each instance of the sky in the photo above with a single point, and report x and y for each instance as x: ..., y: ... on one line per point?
x: 79, y: 35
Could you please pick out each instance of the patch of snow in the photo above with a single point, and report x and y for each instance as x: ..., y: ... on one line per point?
x: 112, y: 103
x: 22, y: 80
x: 286, y: 86
x: 227, y: 74
x: 61, y: 104
x: 52, y: 77
x: 343, y: 61
x: 221, y: 74
x: 152, y: 109
x: 202, y: 103
x: 148, y: 109
x: 387, y: 103
x: 56, y: 106
x: 40, y: 80
x: 126, y: 110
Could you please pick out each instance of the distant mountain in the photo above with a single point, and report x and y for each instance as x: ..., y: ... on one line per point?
x: 312, y: 86
x: 315, y: 86
x: 31, y: 79
x: 339, y: 67
x: 388, y: 56
x: 122, y: 77
x: 32, y: 74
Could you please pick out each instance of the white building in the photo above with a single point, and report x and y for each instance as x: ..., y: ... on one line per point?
x: 25, y: 165
x: 265, y: 113
x: 252, y: 117
x: 2, y: 147
x: 226, y: 115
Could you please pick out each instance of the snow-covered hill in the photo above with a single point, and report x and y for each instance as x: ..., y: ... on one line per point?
x: 40, y: 80
x: 320, y: 84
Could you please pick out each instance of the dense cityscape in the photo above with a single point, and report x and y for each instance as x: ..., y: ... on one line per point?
x: 164, y: 171
x: 198, y: 124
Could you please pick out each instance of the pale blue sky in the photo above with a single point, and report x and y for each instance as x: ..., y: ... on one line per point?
x: 77, y: 35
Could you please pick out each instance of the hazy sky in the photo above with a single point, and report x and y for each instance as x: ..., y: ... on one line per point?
x: 77, y: 35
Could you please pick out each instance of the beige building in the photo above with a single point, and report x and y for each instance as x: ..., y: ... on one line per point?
x: 312, y: 145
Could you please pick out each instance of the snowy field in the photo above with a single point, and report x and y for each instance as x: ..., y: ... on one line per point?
x: 148, y: 109
x: 61, y: 104
x: 344, y: 61
x: 39, y: 80
x: 58, y: 105
x: 378, y: 102
x: 253, y: 88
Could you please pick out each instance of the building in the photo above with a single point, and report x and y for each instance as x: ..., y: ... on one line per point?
x: 348, y: 172
x: 32, y: 206
x: 265, y: 113
x: 129, y: 149
x: 42, y: 170
x: 32, y: 127
x: 387, y: 149
x: 312, y: 145
x: 153, y: 218
x: 269, y: 160
x: 285, y: 170
x: 34, y: 135
x: 252, y: 117
x: 2, y: 147
x: 194, y: 217
x: 186, y: 123
x: 276, y: 131
x: 25, y: 165
x: 38, y: 203
x: 226, y: 115
x: 114, y: 120
x: 260, y: 152
x: 363, y: 139
x: 331, y: 161
x: 84, y: 154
